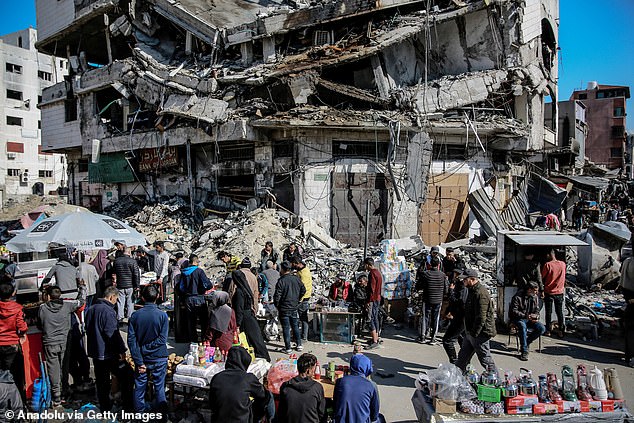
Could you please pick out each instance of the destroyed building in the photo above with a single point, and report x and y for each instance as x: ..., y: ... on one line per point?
x: 326, y: 109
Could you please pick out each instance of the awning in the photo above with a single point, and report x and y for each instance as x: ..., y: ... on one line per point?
x: 546, y: 239
x: 590, y: 181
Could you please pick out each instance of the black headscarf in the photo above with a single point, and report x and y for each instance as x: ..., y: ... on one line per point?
x: 240, y: 282
x: 238, y: 358
x: 219, y: 311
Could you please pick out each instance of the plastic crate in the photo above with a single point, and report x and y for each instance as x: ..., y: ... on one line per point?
x: 489, y: 393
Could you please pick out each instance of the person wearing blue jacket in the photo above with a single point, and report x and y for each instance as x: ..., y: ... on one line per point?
x: 147, y: 340
x: 356, y: 397
x: 105, y: 345
x: 193, y: 285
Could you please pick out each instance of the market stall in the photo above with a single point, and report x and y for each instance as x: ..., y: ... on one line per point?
x: 446, y: 394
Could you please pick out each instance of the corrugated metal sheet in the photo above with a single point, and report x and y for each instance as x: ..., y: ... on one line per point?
x: 590, y: 181
x: 517, y: 209
x: 546, y: 238
x: 486, y: 213
x: 543, y: 195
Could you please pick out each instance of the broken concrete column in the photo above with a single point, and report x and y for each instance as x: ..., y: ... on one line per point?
x: 189, y: 37
x: 246, y: 51
x: 379, y: 77
x: 268, y: 49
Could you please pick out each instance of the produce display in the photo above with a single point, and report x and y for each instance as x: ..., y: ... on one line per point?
x: 567, y: 391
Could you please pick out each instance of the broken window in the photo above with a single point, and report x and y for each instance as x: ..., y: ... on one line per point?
x: 45, y: 173
x: 360, y: 149
x: 109, y: 107
x: 582, y: 96
x: 14, y: 68
x: 618, y: 92
x: 236, y: 152
x: 70, y: 110
x: 14, y: 95
x: 283, y: 149
x: 619, y: 111
x: 46, y: 76
x: 616, y: 152
x: 618, y: 131
x: 14, y: 121
x: 82, y: 165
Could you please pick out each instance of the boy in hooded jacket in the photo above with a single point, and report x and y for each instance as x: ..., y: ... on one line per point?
x: 302, y: 398
x: 55, y: 321
x: 12, y: 331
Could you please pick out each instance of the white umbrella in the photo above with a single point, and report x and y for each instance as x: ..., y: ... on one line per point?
x: 84, y: 231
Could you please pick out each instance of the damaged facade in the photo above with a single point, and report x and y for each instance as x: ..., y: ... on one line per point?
x: 322, y: 109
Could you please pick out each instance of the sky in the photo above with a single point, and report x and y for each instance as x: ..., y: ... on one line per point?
x: 596, y: 40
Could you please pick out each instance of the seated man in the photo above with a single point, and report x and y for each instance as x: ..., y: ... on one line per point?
x: 356, y: 397
x: 524, y: 313
x: 340, y: 289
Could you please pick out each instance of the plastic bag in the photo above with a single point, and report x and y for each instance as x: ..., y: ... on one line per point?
x: 447, y: 382
x: 281, y: 371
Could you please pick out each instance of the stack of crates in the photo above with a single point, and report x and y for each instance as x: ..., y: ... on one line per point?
x: 397, y: 280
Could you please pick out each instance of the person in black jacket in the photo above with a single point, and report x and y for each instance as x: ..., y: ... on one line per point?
x: 193, y: 285
x: 524, y: 313
x: 242, y: 304
x: 288, y: 291
x: 433, y: 284
x: 127, y: 271
x: 105, y: 345
x: 301, y: 398
x: 231, y: 390
x: 457, y: 294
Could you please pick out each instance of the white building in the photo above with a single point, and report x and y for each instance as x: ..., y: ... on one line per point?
x: 24, y: 168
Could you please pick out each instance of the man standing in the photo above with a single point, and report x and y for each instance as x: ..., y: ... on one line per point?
x: 479, y: 323
x: 87, y: 275
x: 105, y: 345
x: 433, y: 284
x: 434, y: 253
x: 524, y: 313
x: 554, y: 278
x: 375, y: 285
x: 268, y: 254
x: 147, y: 340
x: 307, y: 279
x: 12, y: 332
x: 451, y: 262
x: 161, y: 261
x: 127, y: 271
x: 193, y: 285
x: 65, y: 274
x: 457, y: 293
x: 356, y: 397
x: 288, y: 292
x: 301, y: 398
x: 528, y: 271
x: 272, y: 275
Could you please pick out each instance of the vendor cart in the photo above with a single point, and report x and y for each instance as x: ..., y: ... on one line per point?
x: 511, y: 247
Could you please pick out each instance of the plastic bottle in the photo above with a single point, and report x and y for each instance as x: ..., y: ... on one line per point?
x: 217, y: 356
x: 317, y: 375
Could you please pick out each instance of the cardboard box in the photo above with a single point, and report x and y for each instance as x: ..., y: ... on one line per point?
x: 443, y: 406
x: 521, y: 401
x: 591, y: 406
x: 569, y: 406
x: 522, y: 409
x: 545, y: 409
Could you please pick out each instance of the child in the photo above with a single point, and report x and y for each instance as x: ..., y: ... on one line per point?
x: 55, y: 320
x: 12, y: 331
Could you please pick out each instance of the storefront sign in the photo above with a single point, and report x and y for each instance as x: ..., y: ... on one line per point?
x: 153, y: 159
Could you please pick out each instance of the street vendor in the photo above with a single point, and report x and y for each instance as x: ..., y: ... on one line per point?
x: 340, y: 289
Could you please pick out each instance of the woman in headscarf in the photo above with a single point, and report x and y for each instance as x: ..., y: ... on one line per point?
x: 222, y: 322
x: 230, y: 392
x: 242, y: 304
x: 356, y: 397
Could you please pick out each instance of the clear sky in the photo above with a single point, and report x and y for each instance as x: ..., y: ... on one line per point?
x: 596, y: 40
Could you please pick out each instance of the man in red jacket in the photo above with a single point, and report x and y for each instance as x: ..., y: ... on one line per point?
x: 375, y: 285
x: 554, y: 279
x: 12, y: 332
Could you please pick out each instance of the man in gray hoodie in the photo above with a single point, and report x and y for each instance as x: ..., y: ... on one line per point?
x: 55, y: 320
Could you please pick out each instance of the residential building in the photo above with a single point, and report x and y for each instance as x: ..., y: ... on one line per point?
x: 628, y: 156
x: 407, y: 106
x: 24, y: 168
x: 606, y: 117
x: 567, y: 157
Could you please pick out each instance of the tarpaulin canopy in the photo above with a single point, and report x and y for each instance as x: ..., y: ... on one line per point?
x: 84, y: 231
x: 546, y: 239
x: 544, y: 195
